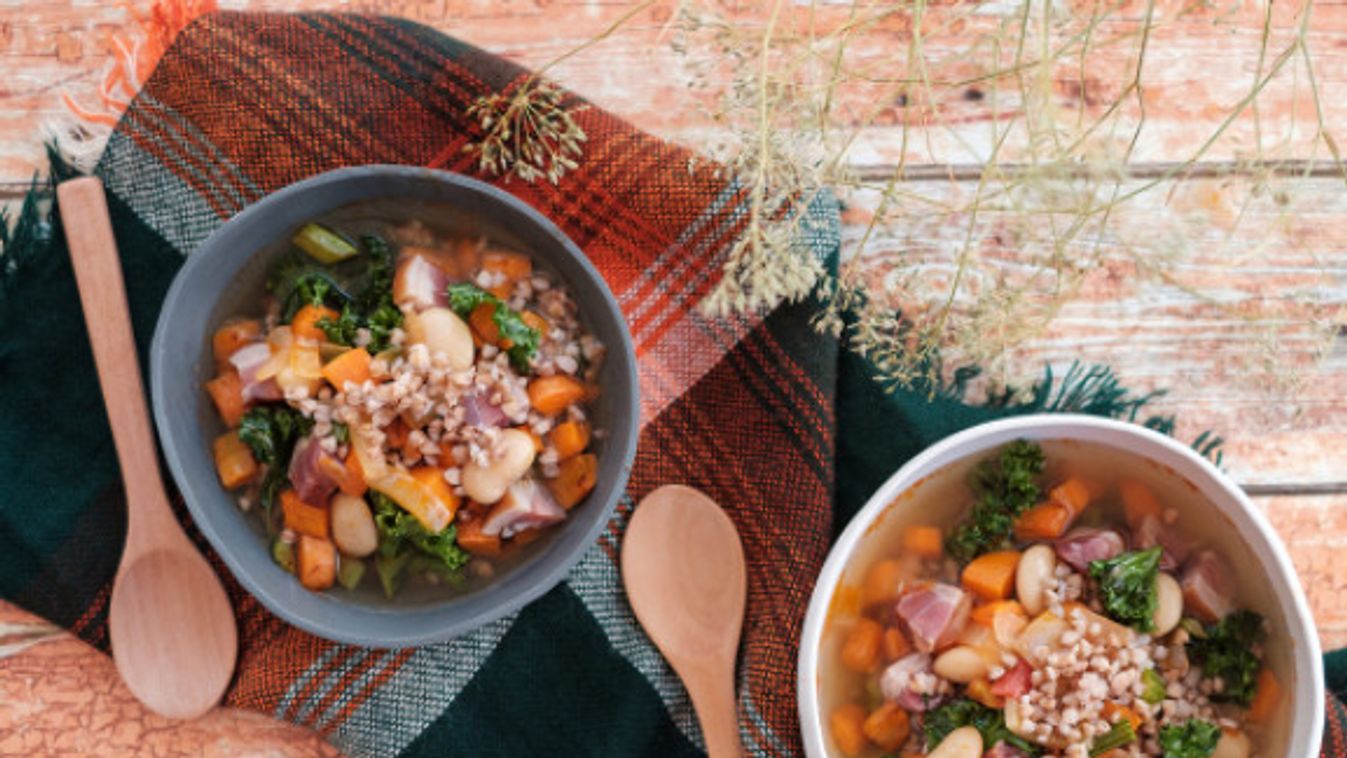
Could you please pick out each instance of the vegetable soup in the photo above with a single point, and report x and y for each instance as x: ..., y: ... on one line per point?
x: 1053, y: 599
x: 407, y: 397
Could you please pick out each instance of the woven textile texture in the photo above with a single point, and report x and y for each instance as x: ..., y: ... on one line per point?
x: 763, y: 414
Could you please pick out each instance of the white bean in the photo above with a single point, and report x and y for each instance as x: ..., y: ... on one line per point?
x: 1168, y: 604
x: 510, y: 459
x: 1233, y: 744
x: 442, y: 331
x: 353, y: 526
x: 964, y: 742
x: 961, y: 664
x: 1034, y: 577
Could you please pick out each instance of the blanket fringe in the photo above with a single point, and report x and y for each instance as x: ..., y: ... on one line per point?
x: 26, y: 235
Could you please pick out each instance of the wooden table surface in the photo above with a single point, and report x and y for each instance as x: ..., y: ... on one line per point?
x: 1273, y: 387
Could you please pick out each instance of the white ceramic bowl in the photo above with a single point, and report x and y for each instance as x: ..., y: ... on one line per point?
x: 1298, y: 725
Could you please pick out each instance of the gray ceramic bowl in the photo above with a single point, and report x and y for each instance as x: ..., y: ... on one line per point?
x: 226, y: 277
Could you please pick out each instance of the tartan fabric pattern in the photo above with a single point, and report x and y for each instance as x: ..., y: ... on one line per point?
x: 243, y: 104
x: 762, y: 414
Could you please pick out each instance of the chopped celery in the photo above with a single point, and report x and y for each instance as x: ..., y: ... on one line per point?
x: 389, y: 568
x: 1120, y: 735
x: 1154, y: 691
x: 1193, y: 627
x: 350, y: 573
x: 284, y: 554
x: 323, y: 244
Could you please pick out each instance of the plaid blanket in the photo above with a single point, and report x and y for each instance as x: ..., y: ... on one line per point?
x: 243, y: 104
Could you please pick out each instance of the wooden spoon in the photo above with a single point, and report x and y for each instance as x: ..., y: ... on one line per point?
x: 683, y: 568
x: 173, y: 634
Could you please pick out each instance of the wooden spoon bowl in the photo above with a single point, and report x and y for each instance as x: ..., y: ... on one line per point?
x: 683, y: 569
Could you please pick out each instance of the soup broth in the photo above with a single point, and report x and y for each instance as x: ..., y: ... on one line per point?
x: 943, y: 501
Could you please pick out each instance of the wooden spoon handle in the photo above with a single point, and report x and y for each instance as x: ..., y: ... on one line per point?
x: 712, y: 696
x: 98, y: 272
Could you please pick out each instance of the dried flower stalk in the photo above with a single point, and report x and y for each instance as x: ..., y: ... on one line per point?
x: 530, y: 132
x: 995, y: 254
x: 970, y: 268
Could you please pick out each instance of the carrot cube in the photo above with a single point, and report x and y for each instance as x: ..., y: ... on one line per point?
x: 226, y: 391
x: 350, y: 366
x: 233, y: 460
x: 303, y: 517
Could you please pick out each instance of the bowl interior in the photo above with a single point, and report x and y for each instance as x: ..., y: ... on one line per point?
x: 227, y: 276
x: 931, y: 491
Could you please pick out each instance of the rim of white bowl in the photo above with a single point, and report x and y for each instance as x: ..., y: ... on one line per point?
x: 1306, y: 728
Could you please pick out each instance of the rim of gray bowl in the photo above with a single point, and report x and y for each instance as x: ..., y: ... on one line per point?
x: 186, y: 447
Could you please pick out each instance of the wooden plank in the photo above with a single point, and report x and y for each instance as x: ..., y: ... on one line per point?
x: 1259, y: 365
x: 1200, y: 63
x: 1315, y: 530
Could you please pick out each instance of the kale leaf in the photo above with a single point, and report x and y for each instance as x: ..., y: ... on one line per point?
x: 271, y: 432
x: 990, y: 723
x: 378, y: 289
x: 341, y: 330
x: 1227, y: 652
x: 523, y: 339
x: 1195, y: 738
x: 297, y: 284
x: 1127, y: 587
x: 405, y: 544
x: 1004, y: 486
x: 372, y: 307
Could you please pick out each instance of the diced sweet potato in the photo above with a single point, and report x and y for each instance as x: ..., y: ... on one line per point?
x: 1043, y: 522
x: 233, y: 460
x: 483, y: 323
x: 304, y: 325
x: 346, y: 473
x: 887, y: 726
x: 316, y: 563
x: 512, y: 266
x: 861, y: 648
x: 882, y: 582
x: 232, y: 336
x: 923, y: 541
x: 1138, y: 502
x: 550, y: 395
x: 350, y: 366
x: 1074, y: 493
x: 991, y: 576
x: 226, y: 391
x: 986, y: 613
x: 303, y: 517
x: 576, y: 477
x: 895, y: 644
x: 471, y: 539
x: 534, y: 321
x: 846, y: 724
x: 570, y: 438
x: 1266, y: 697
